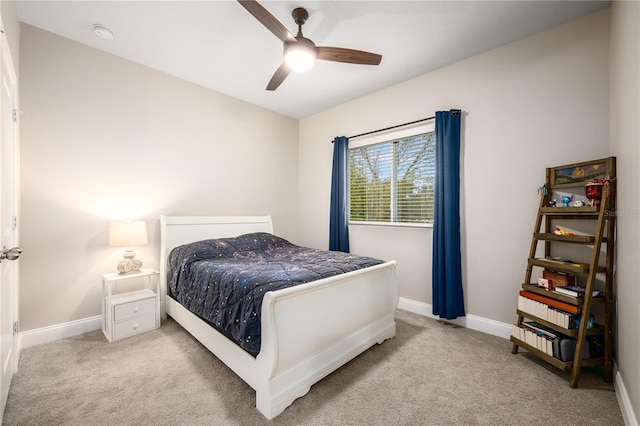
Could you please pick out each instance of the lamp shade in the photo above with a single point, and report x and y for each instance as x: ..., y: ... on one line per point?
x: 299, y: 60
x: 127, y: 234
x: 301, y: 55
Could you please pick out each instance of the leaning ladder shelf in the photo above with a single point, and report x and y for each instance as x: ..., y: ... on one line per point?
x: 569, y: 178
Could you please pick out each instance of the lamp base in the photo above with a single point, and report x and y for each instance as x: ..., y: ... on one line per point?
x: 129, y: 264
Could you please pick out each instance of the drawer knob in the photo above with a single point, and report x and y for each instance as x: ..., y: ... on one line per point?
x: 135, y: 326
x: 135, y: 310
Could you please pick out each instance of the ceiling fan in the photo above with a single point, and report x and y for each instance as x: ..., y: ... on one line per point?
x: 300, y: 52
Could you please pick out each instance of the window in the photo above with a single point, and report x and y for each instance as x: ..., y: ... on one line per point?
x: 393, y: 181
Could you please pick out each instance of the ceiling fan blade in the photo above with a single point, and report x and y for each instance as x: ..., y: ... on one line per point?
x: 267, y: 19
x: 278, y: 77
x: 351, y: 56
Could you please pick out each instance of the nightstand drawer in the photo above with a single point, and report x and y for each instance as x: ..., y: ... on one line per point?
x: 134, y: 325
x: 136, y: 308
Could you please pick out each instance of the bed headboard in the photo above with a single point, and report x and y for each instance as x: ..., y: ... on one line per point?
x: 178, y: 230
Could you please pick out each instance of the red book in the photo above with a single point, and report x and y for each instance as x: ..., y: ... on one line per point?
x: 559, y: 279
x: 572, y: 309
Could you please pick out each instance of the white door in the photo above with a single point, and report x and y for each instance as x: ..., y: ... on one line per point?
x: 8, y: 222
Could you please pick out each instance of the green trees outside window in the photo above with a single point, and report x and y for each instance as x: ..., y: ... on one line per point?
x: 393, y: 181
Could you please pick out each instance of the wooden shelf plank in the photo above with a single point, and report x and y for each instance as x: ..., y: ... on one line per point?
x: 559, y: 329
x: 563, y: 365
x: 591, y: 211
x: 548, y: 358
x: 578, y: 301
x: 569, y: 332
x: 590, y: 362
x: 574, y: 239
x: 565, y: 266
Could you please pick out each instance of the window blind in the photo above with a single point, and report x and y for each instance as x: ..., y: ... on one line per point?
x: 393, y: 181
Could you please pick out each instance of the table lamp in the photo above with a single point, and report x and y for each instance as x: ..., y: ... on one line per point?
x: 128, y: 234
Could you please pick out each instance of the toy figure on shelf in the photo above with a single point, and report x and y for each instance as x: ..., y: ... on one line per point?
x: 543, y: 190
x: 566, y: 199
x: 579, y: 203
x: 553, y: 203
x: 562, y: 231
x: 594, y: 191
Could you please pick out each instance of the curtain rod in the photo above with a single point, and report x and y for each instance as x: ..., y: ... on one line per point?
x: 392, y: 127
x: 453, y: 111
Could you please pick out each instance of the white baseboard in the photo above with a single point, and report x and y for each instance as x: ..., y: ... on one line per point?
x: 626, y: 408
x: 59, y: 331
x: 474, y: 322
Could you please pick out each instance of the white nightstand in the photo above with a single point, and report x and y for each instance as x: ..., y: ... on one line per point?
x: 132, y: 312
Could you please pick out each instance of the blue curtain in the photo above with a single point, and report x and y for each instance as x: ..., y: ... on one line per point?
x: 447, y: 274
x: 339, y: 214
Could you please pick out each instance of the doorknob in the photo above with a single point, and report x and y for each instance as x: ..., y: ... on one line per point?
x: 10, y: 254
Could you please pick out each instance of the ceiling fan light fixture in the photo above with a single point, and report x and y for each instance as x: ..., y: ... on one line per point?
x: 299, y: 56
x: 299, y: 52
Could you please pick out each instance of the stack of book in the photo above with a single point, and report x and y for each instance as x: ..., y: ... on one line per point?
x: 535, y: 335
x: 575, y: 291
x: 545, y: 312
x: 558, y: 279
x: 551, y: 310
x: 547, y: 341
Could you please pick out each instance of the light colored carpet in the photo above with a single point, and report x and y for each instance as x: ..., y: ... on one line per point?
x: 431, y: 373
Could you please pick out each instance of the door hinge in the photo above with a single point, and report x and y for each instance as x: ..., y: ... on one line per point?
x: 15, y: 328
x: 14, y: 222
x: 14, y: 115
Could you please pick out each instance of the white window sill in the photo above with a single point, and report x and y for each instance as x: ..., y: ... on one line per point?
x: 392, y: 224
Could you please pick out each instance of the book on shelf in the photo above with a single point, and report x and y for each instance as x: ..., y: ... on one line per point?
x: 575, y: 291
x: 545, y: 283
x: 596, y: 343
x: 558, y: 278
x: 548, y: 341
x: 576, y: 322
x: 545, y: 312
x: 572, y: 309
x: 534, y: 336
x: 539, y: 328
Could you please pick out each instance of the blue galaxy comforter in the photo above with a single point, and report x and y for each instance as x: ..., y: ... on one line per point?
x: 223, y: 281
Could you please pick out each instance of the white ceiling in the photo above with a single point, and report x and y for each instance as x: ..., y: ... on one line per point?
x: 219, y: 45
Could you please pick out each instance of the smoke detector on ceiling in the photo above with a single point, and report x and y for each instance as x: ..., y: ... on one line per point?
x: 103, y: 32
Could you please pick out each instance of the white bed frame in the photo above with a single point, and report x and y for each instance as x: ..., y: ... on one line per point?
x: 308, y: 331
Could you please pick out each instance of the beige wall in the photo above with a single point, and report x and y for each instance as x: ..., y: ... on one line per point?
x: 625, y: 143
x: 105, y: 139
x: 534, y: 103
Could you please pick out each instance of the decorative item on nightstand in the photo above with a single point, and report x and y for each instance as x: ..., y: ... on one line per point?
x: 128, y: 234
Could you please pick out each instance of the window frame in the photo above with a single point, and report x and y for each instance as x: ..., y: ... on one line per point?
x: 387, y: 136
